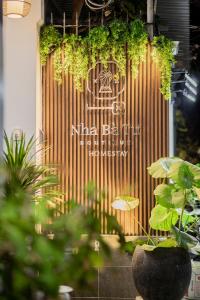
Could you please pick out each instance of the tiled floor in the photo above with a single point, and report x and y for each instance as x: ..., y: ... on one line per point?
x: 114, y: 282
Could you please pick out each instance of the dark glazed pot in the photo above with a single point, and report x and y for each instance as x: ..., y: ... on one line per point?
x: 162, y: 274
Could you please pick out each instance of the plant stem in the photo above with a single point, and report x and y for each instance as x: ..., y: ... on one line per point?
x: 140, y: 225
x: 182, y: 211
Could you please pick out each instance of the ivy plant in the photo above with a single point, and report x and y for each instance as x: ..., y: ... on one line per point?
x: 57, y: 63
x: 50, y: 39
x: 137, y: 45
x: 163, y: 56
x: 76, y: 58
x: 116, y: 41
x: 118, y: 37
x: 98, y: 41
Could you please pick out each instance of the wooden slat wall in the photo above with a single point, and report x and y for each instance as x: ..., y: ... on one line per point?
x: 64, y: 106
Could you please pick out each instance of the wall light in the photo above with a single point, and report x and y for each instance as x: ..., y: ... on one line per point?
x: 16, y: 8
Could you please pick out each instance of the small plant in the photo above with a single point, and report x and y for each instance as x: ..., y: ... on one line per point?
x: 163, y: 56
x: 19, y: 161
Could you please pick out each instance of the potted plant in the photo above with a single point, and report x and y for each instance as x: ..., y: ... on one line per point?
x: 162, y: 265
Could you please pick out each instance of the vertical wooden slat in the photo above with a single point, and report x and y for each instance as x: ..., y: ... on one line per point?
x: 63, y: 107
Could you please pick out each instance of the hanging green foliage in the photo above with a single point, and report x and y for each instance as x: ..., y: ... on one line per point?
x: 98, y: 42
x: 57, y: 63
x: 76, y: 58
x: 117, y: 41
x: 50, y: 39
x: 137, y: 45
x: 163, y: 56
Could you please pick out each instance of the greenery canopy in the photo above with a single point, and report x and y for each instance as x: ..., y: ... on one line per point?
x: 118, y: 41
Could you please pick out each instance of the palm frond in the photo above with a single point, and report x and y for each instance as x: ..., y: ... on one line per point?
x: 20, y: 160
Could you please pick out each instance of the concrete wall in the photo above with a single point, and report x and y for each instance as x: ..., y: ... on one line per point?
x: 21, y: 70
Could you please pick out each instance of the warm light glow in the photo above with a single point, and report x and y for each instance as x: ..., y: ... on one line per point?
x: 125, y: 203
x: 16, y: 9
x: 13, y: 16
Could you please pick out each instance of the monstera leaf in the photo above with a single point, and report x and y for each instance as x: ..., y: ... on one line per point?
x: 160, y: 168
x: 163, y: 218
x: 167, y: 196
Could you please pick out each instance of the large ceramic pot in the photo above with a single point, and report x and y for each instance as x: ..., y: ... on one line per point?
x: 162, y: 274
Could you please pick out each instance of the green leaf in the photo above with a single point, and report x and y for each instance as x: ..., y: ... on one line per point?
x: 149, y: 248
x: 168, y: 243
x: 178, y: 199
x: 192, y: 172
x: 160, y: 168
x: 163, y: 193
x: 195, y: 169
x: 187, y: 219
x: 183, y: 239
x: 182, y: 175
x: 167, y: 196
x: 131, y: 245
x: 163, y: 218
x: 125, y: 203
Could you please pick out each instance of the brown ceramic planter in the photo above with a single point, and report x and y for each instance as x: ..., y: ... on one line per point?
x: 163, y: 274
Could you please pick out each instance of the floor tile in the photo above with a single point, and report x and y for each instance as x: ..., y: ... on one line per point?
x: 117, y: 282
